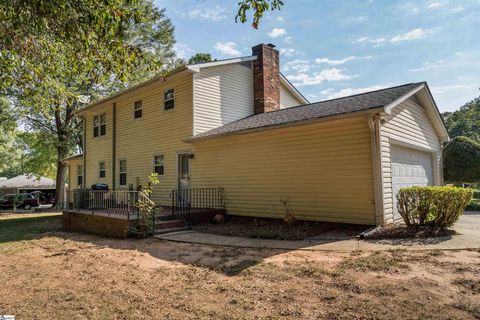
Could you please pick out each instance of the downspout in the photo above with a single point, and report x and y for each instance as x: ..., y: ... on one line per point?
x: 374, y: 125
x: 84, y: 153
x: 114, y: 145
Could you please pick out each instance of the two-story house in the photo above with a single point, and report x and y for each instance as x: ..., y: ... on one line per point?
x: 239, y: 124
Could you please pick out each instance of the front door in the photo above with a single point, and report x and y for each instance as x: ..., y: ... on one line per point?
x: 183, y: 171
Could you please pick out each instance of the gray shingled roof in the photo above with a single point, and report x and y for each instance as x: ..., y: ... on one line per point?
x: 28, y: 181
x: 350, y: 104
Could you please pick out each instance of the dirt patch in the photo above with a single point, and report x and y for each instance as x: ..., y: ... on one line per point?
x: 402, y: 232
x: 73, y: 276
x: 263, y: 228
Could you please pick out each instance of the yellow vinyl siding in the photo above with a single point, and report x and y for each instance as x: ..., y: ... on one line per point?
x: 324, y: 169
x: 99, y: 148
x: 73, y: 172
x: 137, y: 140
x: 157, y: 132
x: 409, y: 124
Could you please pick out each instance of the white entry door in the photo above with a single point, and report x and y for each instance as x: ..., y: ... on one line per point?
x: 409, y: 168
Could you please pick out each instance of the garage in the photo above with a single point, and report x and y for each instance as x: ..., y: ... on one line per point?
x: 410, y: 167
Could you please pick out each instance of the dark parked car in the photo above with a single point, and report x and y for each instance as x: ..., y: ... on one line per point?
x: 25, y: 200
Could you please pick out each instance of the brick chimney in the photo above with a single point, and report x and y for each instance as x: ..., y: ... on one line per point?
x: 266, y: 78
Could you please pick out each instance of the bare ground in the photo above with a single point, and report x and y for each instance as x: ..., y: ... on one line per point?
x: 72, y: 276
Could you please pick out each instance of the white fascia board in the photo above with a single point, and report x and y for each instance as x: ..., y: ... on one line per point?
x: 198, y: 66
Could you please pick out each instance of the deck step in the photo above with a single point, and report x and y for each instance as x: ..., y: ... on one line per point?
x: 169, y: 224
x: 168, y: 230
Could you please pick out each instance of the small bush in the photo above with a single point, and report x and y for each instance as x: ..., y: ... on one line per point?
x: 476, y: 194
x: 438, y: 207
x: 474, y: 205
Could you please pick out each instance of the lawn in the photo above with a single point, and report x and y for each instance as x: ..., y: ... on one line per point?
x: 64, y: 275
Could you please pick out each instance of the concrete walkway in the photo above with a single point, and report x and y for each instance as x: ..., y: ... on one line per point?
x: 468, y: 237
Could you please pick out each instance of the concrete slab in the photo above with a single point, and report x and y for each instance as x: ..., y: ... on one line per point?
x: 468, y: 229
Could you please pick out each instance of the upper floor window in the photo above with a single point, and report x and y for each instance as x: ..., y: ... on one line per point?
x: 169, y: 99
x: 80, y: 176
x: 158, y: 164
x: 99, y: 125
x: 102, y: 169
x: 137, y: 109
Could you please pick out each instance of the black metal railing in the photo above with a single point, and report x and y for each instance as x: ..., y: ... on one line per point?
x: 120, y: 202
x: 184, y: 200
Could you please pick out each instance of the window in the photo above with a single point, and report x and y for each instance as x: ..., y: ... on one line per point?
x: 99, y: 125
x: 169, y: 99
x: 123, y: 172
x: 80, y: 176
x: 158, y: 164
x: 102, y: 171
x: 137, y: 109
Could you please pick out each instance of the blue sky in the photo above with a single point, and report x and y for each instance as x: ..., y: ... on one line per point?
x: 334, y: 48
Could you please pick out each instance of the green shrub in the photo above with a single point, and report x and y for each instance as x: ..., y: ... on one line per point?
x: 474, y: 205
x: 438, y: 207
x: 476, y: 194
x: 461, y: 160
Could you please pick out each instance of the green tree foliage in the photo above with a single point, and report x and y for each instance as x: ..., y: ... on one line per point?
x: 200, y: 58
x: 67, y: 53
x: 461, y: 160
x: 465, y: 121
x: 9, y: 155
x: 38, y: 153
x: 259, y: 7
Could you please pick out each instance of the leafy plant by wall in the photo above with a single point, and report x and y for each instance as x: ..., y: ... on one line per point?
x: 438, y: 207
x: 461, y: 161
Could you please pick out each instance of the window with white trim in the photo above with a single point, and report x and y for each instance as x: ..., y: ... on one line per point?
x: 99, y: 125
x: 137, y: 109
x: 79, y: 176
x: 102, y: 169
x: 159, y: 164
x: 123, y: 172
x: 169, y: 99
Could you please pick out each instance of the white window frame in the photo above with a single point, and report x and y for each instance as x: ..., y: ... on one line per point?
x: 136, y: 108
x: 165, y: 100
x: 100, y: 169
x: 120, y: 172
x: 99, y: 121
x: 163, y: 162
x: 80, y: 174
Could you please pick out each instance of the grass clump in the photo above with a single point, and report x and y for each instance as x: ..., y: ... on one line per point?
x: 376, y: 261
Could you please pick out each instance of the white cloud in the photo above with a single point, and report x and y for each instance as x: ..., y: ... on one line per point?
x: 360, y: 40
x: 414, y: 34
x: 211, y: 14
x: 452, y: 97
x: 290, y: 52
x: 334, y: 62
x: 376, y: 41
x: 436, y: 5
x: 297, y: 65
x: 332, y: 94
x: 277, y: 32
x: 304, y: 79
x: 228, y: 48
x: 183, y: 51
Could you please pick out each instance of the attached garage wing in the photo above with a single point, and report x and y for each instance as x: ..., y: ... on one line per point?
x: 410, y: 168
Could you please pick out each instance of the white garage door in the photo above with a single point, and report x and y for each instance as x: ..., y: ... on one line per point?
x: 409, y: 168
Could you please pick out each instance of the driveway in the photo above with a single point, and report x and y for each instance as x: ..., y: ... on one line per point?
x: 468, y: 237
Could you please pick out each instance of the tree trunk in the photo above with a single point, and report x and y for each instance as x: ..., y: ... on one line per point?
x: 60, y: 185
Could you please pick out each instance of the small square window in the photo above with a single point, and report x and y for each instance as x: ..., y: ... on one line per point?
x: 158, y: 164
x: 137, y: 109
x: 102, y: 171
x: 169, y: 99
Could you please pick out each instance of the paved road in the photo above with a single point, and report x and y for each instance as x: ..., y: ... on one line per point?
x: 468, y: 237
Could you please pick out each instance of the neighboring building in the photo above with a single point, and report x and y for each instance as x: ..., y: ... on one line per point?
x: 239, y: 124
x: 28, y: 183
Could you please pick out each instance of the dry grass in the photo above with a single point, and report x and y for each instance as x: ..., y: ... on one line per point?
x: 72, y: 276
